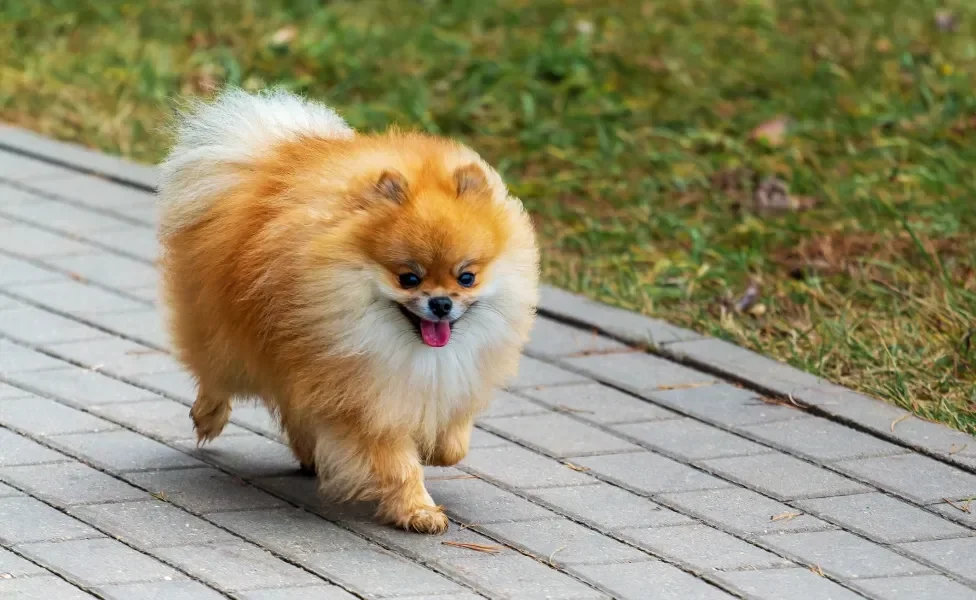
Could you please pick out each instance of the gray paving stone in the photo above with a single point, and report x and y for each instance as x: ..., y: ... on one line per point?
x: 562, y: 542
x: 38, y: 327
x: 620, y: 323
x: 552, y: 339
x: 521, y: 468
x: 926, y: 587
x: 843, y: 555
x: 482, y: 439
x: 236, y: 566
x: 454, y: 596
x: 634, y: 581
x: 598, y: 403
x: 378, y: 574
x: 8, y: 391
x: 290, y: 532
x: 119, y: 451
x: 15, y: 358
x: 63, y: 217
x: 913, y: 476
x: 16, y: 167
x: 93, y: 191
x: 13, y: 566
x: 78, y: 156
x: 151, y: 524
x: 535, y: 373
x: 117, y: 356
x: 164, y: 419
x: 40, y: 417
x: 144, y: 326
x: 315, y: 592
x: 784, y: 477
x: 247, y: 455
x: 6, y: 491
x: 16, y: 271
x: 725, y: 405
x: 256, y: 418
x: 558, y: 435
x: 98, y: 562
x: 66, y: 484
x: 24, y: 520
x: 31, y: 242
x: 41, y: 588
x: 132, y: 242
x: 72, y: 297
x: 607, y: 507
x: 108, y: 269
x: 18, y: 450
x: 506, y: 404
x: 690, y: 440
x: 742, y: 511
x: 175, y: 385
x: 637, y: 372
x: 160, y: 590
x: 953, y: 513
x: 739, y: 362
x: 202, y: 490
x: 81, y: 387
x: 882, y: 518
x: 426, y: 549
x: 513, y: 576
x: 649, y: 473
x: 777, y: 584
x: 477, y: 501
x: 955, y: 555
x: 703, y: 548
x: 821, y: 440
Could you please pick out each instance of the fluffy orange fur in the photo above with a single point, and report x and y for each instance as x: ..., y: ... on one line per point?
x: 282, y: 265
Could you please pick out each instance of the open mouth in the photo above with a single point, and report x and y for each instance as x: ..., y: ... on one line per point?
x: 435, y: 334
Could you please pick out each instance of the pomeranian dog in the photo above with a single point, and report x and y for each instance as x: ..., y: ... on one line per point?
x: 373, y: 290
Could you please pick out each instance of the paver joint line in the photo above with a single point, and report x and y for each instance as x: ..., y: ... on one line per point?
x: 602, y: 470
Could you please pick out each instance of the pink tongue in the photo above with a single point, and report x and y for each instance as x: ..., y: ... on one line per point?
x: 436, y: 334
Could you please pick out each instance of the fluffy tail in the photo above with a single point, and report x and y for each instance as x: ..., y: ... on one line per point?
x: 216, y: 140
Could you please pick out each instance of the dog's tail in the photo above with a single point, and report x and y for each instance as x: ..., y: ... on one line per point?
x: 218, y: 140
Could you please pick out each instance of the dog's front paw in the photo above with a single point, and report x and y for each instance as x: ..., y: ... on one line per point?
x: 426, y: 519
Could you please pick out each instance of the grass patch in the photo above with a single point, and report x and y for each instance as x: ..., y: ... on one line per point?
x: 626, y: 128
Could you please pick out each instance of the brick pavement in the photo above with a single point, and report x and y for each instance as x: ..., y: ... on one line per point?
x: 601, y: 472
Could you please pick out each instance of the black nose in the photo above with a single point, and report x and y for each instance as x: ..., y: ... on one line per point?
x: 440, y: 306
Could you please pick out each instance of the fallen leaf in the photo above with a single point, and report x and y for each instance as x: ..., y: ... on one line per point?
x: 787, y: 516
x: 772, y: 132
x: 476, y: 547
x: 899, y: 420
x: 77, y: 277
x: 450, y: 477
x: 961, y: 507
x: 577, y: 467
x: 954, y: 450
x: 816, y: 569
x: 945, y: 21
x: 284, y: 36
x: 684, y: 386
x: 564, y: 408
x: 160, y: 496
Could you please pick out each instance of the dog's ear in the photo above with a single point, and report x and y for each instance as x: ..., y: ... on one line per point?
x: 390, y: 185
x: 470, y: 179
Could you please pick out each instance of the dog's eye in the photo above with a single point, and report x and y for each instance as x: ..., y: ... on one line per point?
x: 466, y: 279
x: 409, y: 280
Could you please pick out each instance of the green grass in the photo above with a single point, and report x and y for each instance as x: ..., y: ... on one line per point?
x: 613, y: 120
